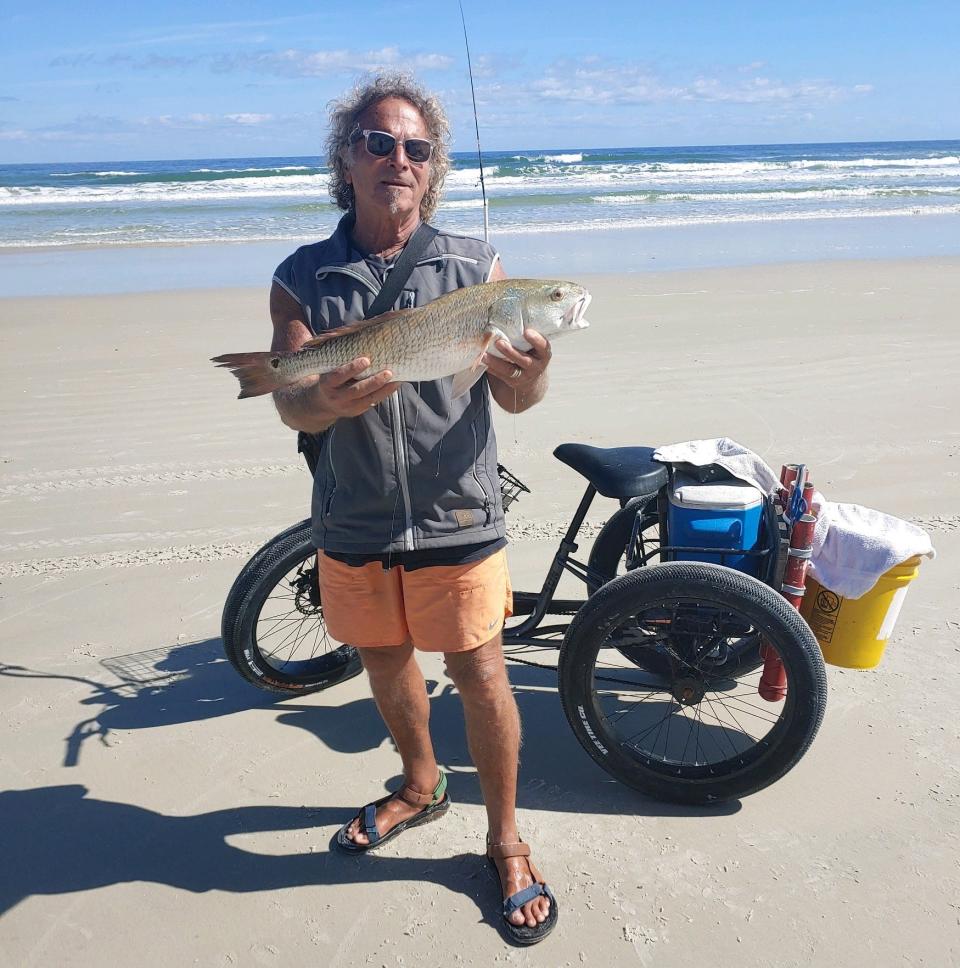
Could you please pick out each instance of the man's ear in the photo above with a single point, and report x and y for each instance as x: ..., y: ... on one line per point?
x: 345, y: 158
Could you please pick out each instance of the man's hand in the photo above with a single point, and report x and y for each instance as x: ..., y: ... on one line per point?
x: 313, y: 404
x: 340, y: 395
x: 519, y: 380
x: 317, y: 402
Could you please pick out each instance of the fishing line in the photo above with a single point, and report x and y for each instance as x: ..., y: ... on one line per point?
x: 476, y: 124
x: 439, y: 452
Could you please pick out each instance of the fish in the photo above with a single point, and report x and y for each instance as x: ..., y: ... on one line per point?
x: 445, y: 337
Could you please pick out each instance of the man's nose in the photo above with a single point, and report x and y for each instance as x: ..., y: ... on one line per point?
x: 399, y: 154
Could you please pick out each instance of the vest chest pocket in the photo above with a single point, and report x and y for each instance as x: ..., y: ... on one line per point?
x: 333, y: 311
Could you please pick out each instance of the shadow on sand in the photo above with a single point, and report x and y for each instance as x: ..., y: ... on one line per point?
x: 57, y: 839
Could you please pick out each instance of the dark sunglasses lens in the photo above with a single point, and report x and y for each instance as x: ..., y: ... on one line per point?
x: 380, y: 144
x: 417, y: 149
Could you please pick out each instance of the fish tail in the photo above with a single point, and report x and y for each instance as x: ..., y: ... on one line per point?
x: 258, y: 373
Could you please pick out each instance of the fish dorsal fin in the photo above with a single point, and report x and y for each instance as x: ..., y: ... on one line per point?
x: 356, y: 326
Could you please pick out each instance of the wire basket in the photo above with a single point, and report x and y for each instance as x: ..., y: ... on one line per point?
x: 510, y: 487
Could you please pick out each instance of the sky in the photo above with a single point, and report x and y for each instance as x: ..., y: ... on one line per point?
x: 114, y: 81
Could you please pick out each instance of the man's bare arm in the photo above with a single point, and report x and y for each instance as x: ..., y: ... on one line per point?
x: 316, y: 402
x: 518, y: 391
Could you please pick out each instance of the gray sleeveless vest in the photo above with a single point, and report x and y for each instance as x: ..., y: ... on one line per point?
x: 419, y: 470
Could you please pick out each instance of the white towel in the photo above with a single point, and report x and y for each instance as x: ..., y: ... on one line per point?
x: 852, y: 546
x: 744, y: 464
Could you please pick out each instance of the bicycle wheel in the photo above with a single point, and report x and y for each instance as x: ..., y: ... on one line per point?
x: 689, y: 732
x: 272, y: 626
x: 241, y: 584
x: 611, y: 551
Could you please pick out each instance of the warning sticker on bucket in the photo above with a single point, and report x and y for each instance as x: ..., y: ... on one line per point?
x: 823, y: 618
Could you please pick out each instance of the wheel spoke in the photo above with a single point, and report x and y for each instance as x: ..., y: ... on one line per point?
x: 290, y: 632
x: 646, y: 661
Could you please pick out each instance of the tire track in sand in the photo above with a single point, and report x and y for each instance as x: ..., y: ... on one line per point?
x: 28, y: 485
x: 137, y: 558
x: 194, y: 553
x: 529, y: 530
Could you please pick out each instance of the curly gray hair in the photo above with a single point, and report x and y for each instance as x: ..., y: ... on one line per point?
x: 343, y: 118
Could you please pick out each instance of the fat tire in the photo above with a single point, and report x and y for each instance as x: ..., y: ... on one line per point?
x: 704, y: 583
x: 251, y: 589
x: 248, y: 575
x: 610, y: 545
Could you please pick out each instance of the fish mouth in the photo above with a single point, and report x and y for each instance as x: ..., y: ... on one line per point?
x: 573, y: 317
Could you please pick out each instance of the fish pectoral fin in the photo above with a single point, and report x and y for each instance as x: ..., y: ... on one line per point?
x: 354, y: 327
x: 464, y: 380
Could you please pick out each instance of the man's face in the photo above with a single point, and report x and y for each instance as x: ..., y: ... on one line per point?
x: 394, y: 183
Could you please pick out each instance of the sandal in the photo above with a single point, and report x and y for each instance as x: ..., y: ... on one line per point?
x: 434, y: 805
x: 521, y: 933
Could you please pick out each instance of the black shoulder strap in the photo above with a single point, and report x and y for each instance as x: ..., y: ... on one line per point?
x: 401, y: 270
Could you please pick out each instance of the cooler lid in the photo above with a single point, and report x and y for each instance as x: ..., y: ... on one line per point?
x: 729, y: 495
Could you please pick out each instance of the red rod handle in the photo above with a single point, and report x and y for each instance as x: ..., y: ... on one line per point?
x: 773, y: 682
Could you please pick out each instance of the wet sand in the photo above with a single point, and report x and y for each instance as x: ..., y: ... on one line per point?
x: 158, y: 810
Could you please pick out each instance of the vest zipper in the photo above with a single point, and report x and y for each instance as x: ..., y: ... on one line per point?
x: 487, y: 504
x: 403, y: 468
x: 447, y: 257
x: 397, y: 427
x: 343, y: 270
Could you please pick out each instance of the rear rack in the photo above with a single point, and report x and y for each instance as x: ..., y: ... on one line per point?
x: 510, y: 487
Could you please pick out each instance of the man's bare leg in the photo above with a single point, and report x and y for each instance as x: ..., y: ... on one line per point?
x: 401, y: 696
x: 493, y: 735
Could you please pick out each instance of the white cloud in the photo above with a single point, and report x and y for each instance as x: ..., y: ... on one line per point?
x: 303, y: 63
x: 237, y: 31
x: 247, y: 118
x: 625, y: 84
x: 291, y: 62
x: 197, y: 120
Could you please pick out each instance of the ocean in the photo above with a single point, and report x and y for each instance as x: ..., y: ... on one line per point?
x: 122, y: 203
x: 117, y: 226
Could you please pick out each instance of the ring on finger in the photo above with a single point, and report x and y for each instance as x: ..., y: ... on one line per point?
x: 517, y: 373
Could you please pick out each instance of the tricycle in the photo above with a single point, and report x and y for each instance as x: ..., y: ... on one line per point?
x: 660, y: 664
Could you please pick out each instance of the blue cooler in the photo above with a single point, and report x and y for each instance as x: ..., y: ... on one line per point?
x: 725, y: 514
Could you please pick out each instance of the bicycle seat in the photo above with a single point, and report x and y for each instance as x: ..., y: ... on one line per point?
x: 618, y: 472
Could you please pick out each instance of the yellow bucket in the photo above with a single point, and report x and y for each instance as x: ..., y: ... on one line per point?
x: 853, y: 632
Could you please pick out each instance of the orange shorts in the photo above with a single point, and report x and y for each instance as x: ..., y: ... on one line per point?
x: 442, y: 608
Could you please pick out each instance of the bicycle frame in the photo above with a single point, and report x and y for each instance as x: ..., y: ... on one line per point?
x: 536, y: 605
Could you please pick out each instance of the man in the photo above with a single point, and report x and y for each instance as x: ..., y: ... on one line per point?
x: 406, y: 506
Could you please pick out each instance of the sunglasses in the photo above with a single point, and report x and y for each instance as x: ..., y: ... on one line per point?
x: 380, y: 144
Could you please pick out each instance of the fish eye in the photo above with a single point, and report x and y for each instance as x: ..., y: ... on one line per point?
x: 556, y: 295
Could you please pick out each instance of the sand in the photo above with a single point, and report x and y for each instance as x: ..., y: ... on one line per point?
x: 160, y: 811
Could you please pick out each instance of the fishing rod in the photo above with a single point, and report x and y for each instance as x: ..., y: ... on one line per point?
x: 476, y: 124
